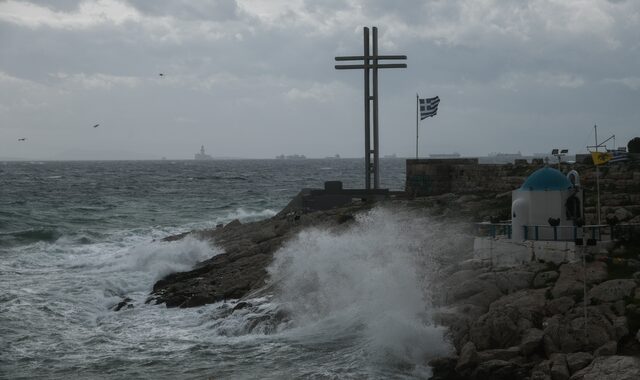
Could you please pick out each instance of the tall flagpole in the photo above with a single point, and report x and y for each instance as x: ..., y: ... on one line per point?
x: 417, y: 101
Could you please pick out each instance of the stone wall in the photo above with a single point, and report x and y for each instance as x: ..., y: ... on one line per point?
x: 619, y: 182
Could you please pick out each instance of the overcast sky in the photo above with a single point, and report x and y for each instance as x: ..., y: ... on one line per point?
x: 256, y: 78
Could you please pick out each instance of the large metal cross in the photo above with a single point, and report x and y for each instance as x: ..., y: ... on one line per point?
x: 370, y: 65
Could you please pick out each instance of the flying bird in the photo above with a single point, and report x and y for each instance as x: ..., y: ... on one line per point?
x: 161, y: 74
x: 96, y: 126
x: 22, y: 139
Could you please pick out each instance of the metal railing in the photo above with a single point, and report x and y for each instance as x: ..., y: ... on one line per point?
x: 597, y: 232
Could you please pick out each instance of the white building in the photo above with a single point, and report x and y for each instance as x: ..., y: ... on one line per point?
x: 546, y: 222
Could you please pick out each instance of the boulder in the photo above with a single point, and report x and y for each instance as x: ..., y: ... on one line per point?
x: 621, y: 325
x: 566, y: 333
x: 623, y: 215
x: 607, y: 349
x: 570, y: 280
x: 610, y: 368
x: 443, y: 368
x: 559, y: 305
x: 507, y: 319
x: 468, y: 358
x: 543, y: 278
x: 578, y: 360
x: 498, y: 354
x: 612, y: 290
x: 559, y: 370
x: 509, y: 281
x: 531, y: 341
x: 499, y: 370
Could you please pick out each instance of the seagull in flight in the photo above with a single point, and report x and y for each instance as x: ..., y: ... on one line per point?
x: 22, y: 139
x: 96, y: 126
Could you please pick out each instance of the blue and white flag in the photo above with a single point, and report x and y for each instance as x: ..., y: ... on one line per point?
x: 619, y: 156
x: 429, y: 107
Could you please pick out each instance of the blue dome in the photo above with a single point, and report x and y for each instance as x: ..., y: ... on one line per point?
x: 546, y: 179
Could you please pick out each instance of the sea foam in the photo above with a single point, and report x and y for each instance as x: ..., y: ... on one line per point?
x: 370, y: 281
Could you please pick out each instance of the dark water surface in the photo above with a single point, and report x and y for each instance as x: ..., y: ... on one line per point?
x: 78, y: 237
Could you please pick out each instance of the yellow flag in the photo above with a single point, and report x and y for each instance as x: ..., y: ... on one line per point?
x: 600, y: 158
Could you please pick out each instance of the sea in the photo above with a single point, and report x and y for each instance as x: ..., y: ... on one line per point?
x: 78, y: 237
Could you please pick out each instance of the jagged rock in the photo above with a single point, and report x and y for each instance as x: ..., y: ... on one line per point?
x: 473, y: 291
x: 499, y: 370
x: 619, y: 306
x: 570, y: 281
x: 566, y: 333
x: 542, y: 371
x: 621, y: 325
x: 242, y: 305
x: 468, y: 358
x: 607, y: 349
x: 507, y: 319
x: 559, y: 370
x: 509, y: 281
x: 610, y: 368
x: 498, y: 354
x: 578, y: 361
x: 444, y: 368
x: 559, y: 305
x: 122, y: 304
x: 232, y: 224
x: 623, y: 215
x: 531, y: 341
x: 612, y: 290
x: 543, y: 278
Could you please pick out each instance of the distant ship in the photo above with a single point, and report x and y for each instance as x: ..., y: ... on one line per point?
x: 291, y: 157
x: 202, y: 155
x: 445, y: 155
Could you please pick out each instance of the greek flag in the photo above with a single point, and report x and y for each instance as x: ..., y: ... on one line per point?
x: 429, y: 107
x: 619, y: 156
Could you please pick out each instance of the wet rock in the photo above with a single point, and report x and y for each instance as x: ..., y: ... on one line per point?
x: 126, y: 302
x: 242, y: 305
x: 499, y: 370
x: 610, y: 368
x: 444, y: 368
x: 612, y: 290
x: 578, y: 360
x: 468, y: 358
x: 241, y: 269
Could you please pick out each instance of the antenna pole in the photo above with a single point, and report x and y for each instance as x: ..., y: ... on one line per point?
x: 595, y: 127
x: 417, y: 101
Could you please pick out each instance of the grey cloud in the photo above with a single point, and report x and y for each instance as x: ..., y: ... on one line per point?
x: 212, y: 10
x: 508, y: 79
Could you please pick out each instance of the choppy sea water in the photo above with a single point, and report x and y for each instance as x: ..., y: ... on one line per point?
x: 78, y: 237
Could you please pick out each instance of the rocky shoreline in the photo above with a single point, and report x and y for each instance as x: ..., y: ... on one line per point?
x: 248, y: 249
x: 534, y: 322
x: 526, y: 322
